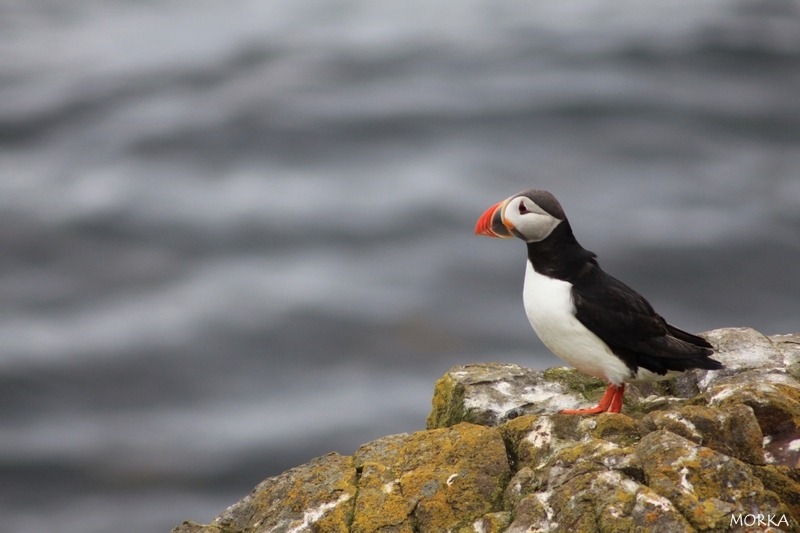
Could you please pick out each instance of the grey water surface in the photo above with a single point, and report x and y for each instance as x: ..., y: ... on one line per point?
x: 238, y: 235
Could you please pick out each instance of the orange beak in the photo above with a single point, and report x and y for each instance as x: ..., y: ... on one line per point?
x: 492, y: 224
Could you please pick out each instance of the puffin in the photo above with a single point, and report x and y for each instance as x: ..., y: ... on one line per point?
x: 586, y: 317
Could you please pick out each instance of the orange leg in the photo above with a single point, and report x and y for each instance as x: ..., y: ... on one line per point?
x: 610, y: 402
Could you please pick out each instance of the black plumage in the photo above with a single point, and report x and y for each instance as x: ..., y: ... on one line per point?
x: 613, y: 311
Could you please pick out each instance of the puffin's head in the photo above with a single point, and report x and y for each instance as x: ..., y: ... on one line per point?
x: 530, y: 215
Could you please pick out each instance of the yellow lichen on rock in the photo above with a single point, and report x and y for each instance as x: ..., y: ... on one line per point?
x: 617, y: 428
x: 431, y: 480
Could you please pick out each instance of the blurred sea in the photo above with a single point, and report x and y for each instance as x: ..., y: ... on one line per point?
x: 238, y: 235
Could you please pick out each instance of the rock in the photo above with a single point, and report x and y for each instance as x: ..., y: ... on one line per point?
x: 778, y: 479
x: 733, y: 431
x: 789, y: 348
x: 533, y: 439
x: 594, y: 486
x: 492, y: 522
x: 320, y: 493
x: 707, y: 487
x: 693, y: 454
x: 617, y: 428
x: 774, y: 398
x: 431, y: 480
x: 491, y: 393
x: 745, y: 353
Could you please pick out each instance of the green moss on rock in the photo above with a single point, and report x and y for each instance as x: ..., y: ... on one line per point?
x: 447, y: 404
x: 589, y: 387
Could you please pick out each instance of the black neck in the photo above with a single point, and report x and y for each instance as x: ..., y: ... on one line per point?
x: 560, y: 256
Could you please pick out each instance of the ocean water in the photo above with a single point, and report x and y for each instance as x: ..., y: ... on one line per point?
x: 238, y: 235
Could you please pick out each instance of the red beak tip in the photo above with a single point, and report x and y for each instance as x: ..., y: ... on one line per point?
x: 484, y: 225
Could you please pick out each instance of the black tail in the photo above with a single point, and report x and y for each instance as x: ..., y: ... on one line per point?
x: 702, y: 361
x: 688, y: 337
x: 706, y: 363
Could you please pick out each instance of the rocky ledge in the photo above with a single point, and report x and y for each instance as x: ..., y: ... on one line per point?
x: 709, y: 451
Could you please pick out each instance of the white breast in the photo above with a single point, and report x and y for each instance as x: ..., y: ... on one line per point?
x: 551, y: 312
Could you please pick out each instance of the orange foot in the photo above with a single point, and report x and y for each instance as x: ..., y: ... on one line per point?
x: 610, y: 402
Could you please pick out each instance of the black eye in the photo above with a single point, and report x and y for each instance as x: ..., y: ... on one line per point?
x: 522, y: 207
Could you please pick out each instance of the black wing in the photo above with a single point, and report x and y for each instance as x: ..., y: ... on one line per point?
x: 625, y: 321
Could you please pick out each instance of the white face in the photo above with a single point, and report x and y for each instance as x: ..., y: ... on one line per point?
x: 530, y: 220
